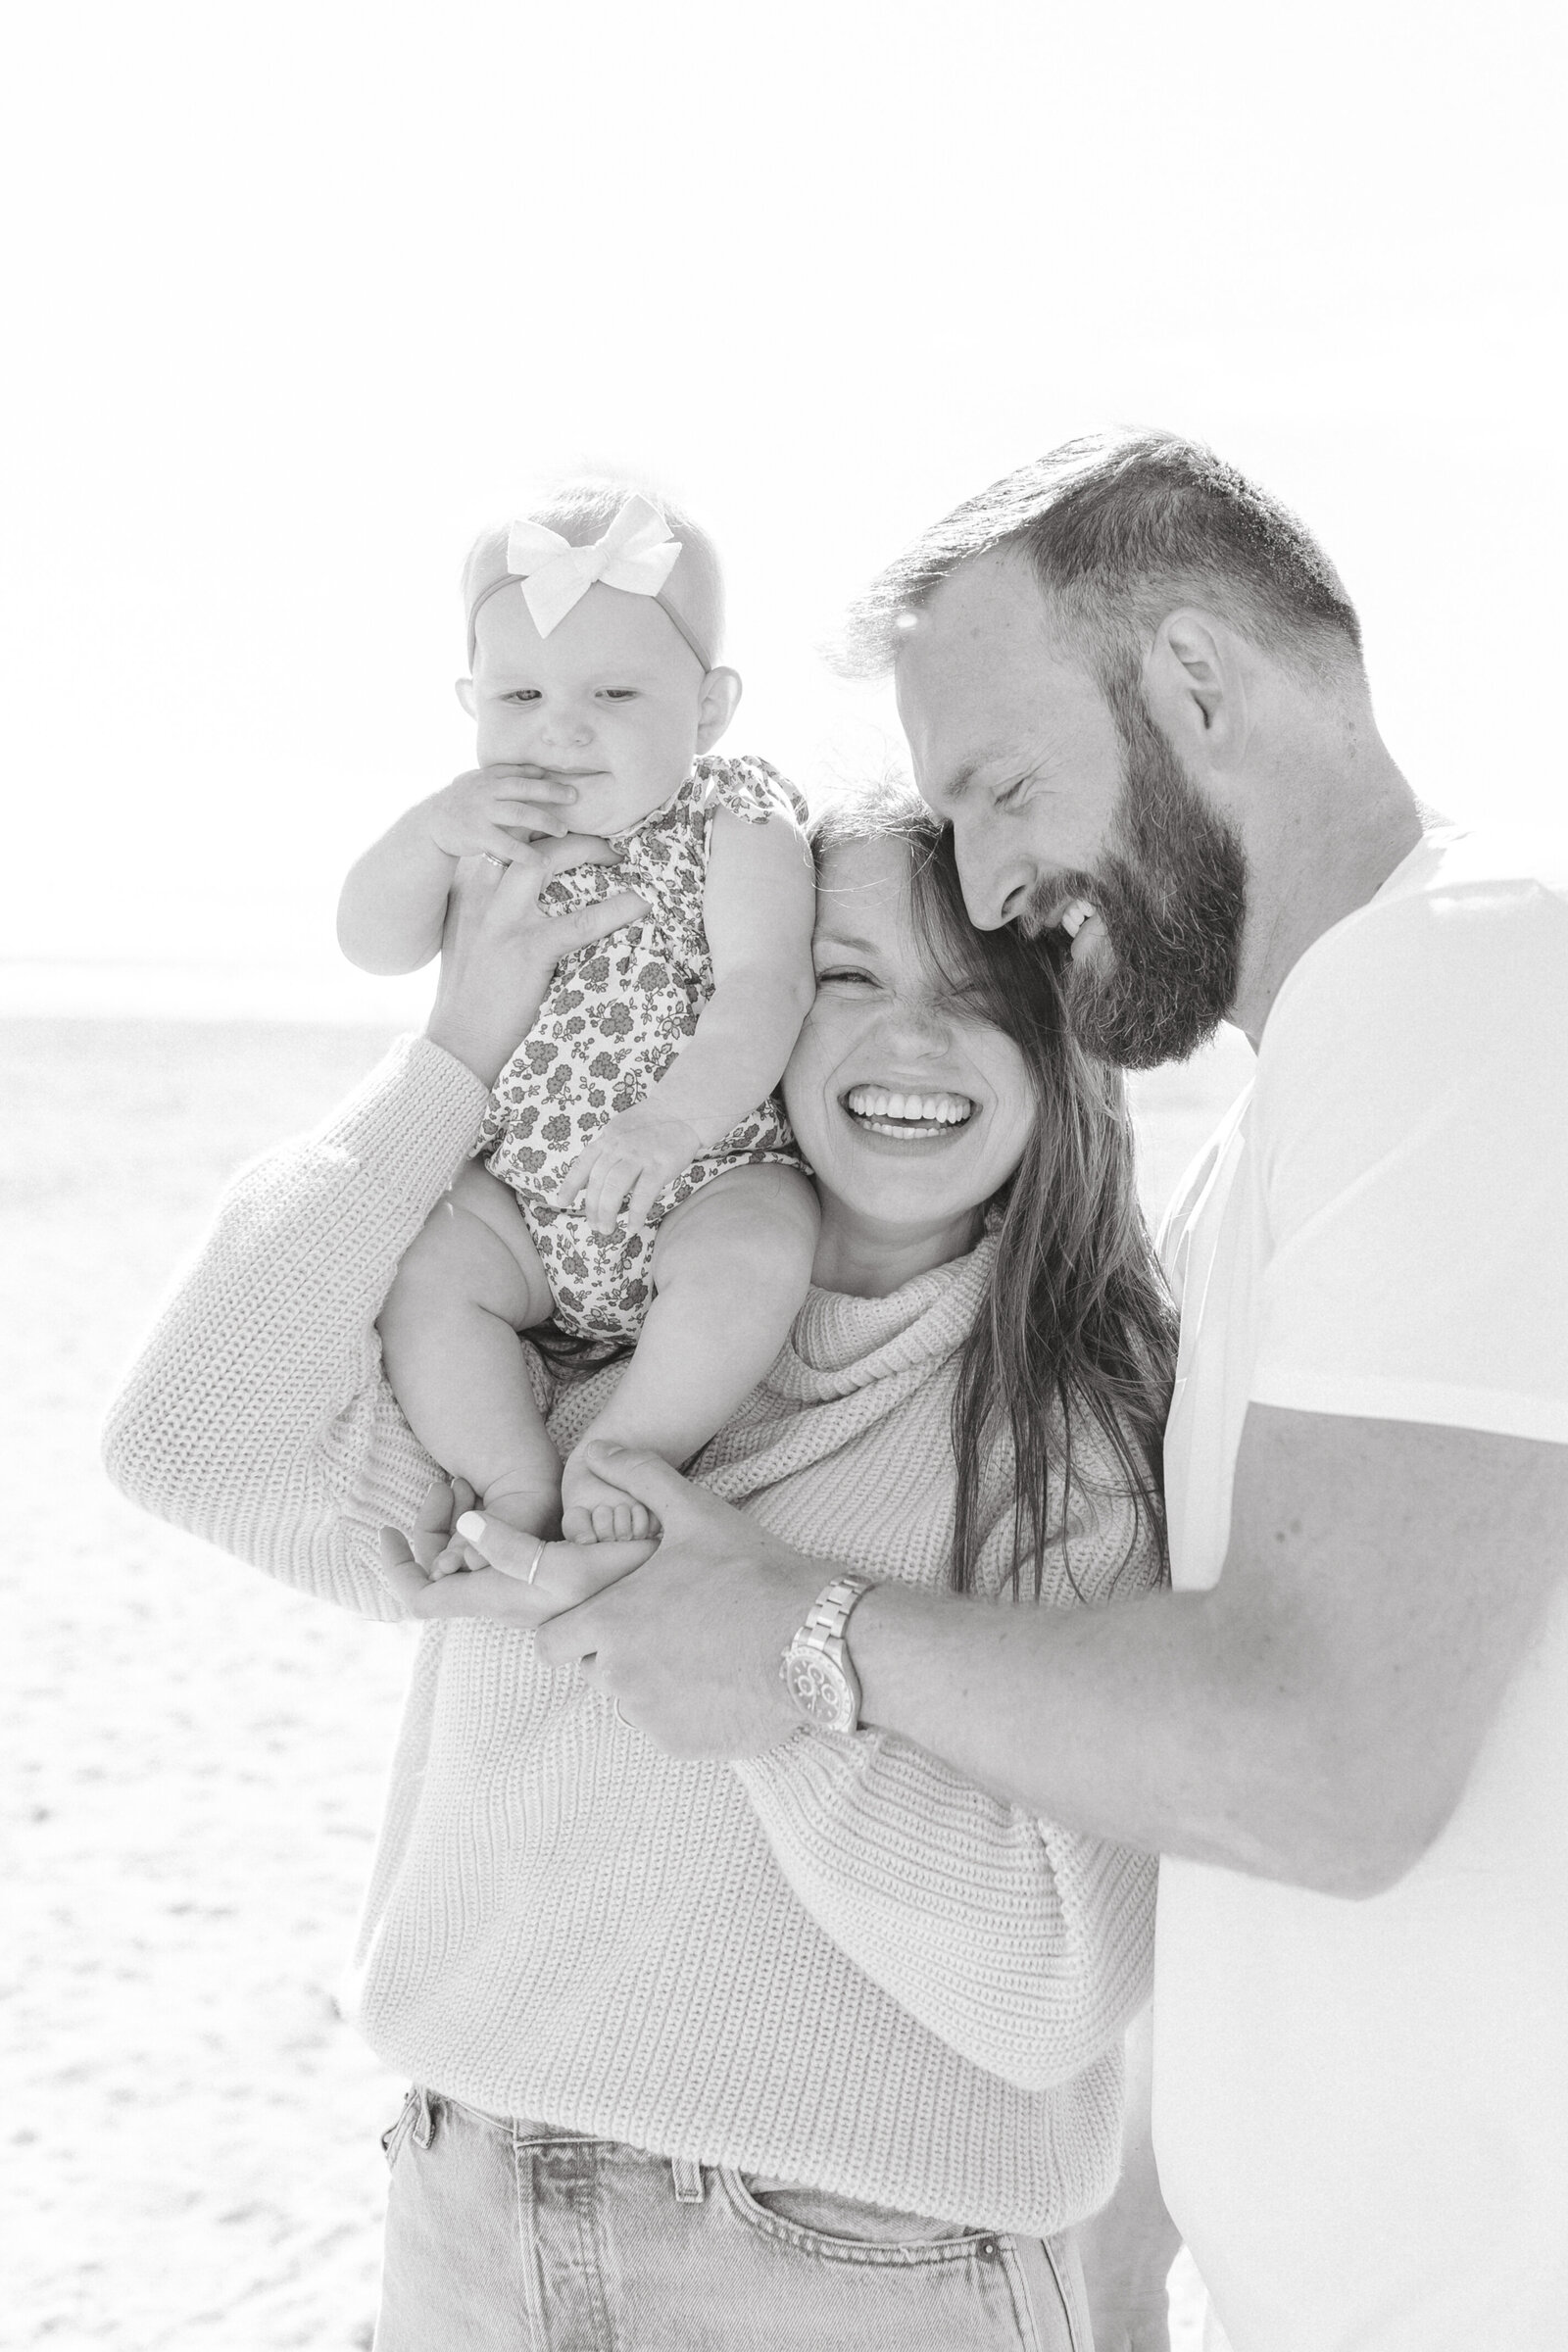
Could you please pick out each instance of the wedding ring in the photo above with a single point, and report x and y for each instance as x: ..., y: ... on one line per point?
x: 491, y: 858
x: 517, y: 1574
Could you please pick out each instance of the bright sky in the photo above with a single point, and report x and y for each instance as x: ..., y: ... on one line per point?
x: 308, y: 292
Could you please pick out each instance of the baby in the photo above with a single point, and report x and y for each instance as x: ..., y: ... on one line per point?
x: 640, y: 1181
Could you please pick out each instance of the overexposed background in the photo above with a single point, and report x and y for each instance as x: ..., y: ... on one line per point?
x: 296, y: 296
x: 305, y: 294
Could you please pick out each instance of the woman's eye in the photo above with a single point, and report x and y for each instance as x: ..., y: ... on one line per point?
x: 840, y: 973
x: 1007, y: 798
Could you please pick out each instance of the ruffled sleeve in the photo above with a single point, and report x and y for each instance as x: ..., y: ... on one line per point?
x: 749, y: 788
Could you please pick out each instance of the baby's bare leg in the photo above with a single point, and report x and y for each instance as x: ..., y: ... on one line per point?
x: 472, y: 1281
x: 730, y: 1269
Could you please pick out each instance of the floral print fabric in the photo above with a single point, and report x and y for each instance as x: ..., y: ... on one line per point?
x: 614, y: 1018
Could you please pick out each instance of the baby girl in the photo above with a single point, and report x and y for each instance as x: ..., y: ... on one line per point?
x: 639, y: 1180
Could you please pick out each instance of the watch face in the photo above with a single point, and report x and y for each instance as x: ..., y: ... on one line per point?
x: 818, y: 1689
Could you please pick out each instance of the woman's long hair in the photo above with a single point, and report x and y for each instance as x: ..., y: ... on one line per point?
x: 1077, y: 1325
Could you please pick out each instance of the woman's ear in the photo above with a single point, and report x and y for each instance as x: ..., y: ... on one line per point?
x: 464, y: 693
x: 721, y: 692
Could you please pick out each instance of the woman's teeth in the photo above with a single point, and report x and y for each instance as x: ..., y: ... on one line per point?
x: 1075, y: 916
x: 890, y: 1113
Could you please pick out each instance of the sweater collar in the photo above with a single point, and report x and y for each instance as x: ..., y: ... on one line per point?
x: 840, y: 1343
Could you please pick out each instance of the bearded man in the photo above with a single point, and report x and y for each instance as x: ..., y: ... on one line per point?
x: 1133, y: 686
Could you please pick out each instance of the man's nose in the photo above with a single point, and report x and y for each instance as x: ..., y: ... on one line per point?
x: 997, y: 882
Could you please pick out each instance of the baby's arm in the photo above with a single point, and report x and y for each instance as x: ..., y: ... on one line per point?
x: 392, y: 912
x: 758, y: 910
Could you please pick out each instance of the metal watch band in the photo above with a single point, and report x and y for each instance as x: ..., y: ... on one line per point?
x: 829, y: 1613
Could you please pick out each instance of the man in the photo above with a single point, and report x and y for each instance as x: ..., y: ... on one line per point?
x: 1133, y: 684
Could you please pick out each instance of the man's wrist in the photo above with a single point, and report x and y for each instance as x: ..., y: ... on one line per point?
x: 817, y: 1667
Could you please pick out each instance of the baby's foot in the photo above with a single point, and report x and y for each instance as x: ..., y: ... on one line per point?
x: 532, y: 1510
x: 593, y: 1511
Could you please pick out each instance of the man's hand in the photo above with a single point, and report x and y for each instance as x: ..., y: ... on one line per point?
x: 689, y: 1646
x: 490, y: 811
x: 637, y: 1153
x: 565, y: 1575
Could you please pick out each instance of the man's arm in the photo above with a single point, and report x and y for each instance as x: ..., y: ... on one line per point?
x: 1313, y: 1717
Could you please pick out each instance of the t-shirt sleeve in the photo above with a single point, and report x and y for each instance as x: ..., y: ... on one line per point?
x: 1412, y: 1123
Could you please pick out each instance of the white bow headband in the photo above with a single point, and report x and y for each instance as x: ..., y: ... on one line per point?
x: 636, y: 554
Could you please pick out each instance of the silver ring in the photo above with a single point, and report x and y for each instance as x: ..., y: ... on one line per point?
x: 517, y: 1576
x: 491, y: 858
x: 621, y: 1718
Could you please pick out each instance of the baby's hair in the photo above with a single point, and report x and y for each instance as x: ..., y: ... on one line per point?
x: 582, y: 511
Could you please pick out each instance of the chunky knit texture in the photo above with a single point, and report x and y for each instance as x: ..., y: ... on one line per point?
x: 837, y: 1963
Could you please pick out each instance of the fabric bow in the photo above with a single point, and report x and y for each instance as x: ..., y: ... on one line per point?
x: 636, y: 552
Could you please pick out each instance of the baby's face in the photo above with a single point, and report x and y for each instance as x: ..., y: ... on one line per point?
x: 611, y: 702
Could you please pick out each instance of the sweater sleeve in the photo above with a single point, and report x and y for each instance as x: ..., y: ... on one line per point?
x: 257, y: 1415
x: 1024, y: 1946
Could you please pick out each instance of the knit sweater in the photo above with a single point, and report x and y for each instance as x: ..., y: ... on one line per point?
x: 837, y: 1963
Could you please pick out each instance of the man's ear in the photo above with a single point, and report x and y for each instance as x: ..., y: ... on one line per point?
x: 1195, y: 682
x: 721, y: 692
x: 464, y: 693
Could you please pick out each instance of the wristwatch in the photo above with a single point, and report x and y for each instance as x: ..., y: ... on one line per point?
x: 815, y: 1669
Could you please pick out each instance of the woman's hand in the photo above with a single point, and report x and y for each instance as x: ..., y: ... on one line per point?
x: 501, y: 947
x: 565, y: 1575
x: 488, y: 812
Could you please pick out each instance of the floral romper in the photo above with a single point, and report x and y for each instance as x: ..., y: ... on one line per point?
x: 614, y: 1018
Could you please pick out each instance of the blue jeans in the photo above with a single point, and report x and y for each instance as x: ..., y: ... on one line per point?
x: 510, y: 2236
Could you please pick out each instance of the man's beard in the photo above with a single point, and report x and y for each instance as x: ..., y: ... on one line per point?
x: 1171, y: 891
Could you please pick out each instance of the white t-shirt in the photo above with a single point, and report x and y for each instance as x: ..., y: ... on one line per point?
x: 1361, y: 2108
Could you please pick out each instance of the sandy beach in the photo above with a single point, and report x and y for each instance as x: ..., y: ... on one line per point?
x: 194, y: 1755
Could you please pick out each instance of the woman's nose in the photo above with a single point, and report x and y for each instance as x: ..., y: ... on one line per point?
x: 918, y: 1027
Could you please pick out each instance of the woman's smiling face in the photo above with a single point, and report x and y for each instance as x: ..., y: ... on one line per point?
x: 912, y: 1110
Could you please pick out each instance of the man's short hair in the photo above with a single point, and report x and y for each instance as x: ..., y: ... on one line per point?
x: 1122, y: 532
x: 582, y: 511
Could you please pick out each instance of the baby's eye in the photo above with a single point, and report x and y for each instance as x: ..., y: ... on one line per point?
x: 522, y: 693
x: 619, y: 694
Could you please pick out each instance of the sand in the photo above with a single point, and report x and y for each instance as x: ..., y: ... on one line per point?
x: 193, y: 1755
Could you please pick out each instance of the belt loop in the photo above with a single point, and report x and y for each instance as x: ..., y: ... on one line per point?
x: 424, y: 2124
x: 688, y: 2180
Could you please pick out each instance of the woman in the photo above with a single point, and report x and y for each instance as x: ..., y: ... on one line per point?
x: 823, y: 2047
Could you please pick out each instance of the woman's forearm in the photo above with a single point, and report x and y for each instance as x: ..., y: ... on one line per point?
x: 256, y: 1415
x: 1023, y: 1946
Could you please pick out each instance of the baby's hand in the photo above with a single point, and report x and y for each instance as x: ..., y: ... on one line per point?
x: 490, y: 811
x: 595, y: 1512
x: 636, y: 1154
